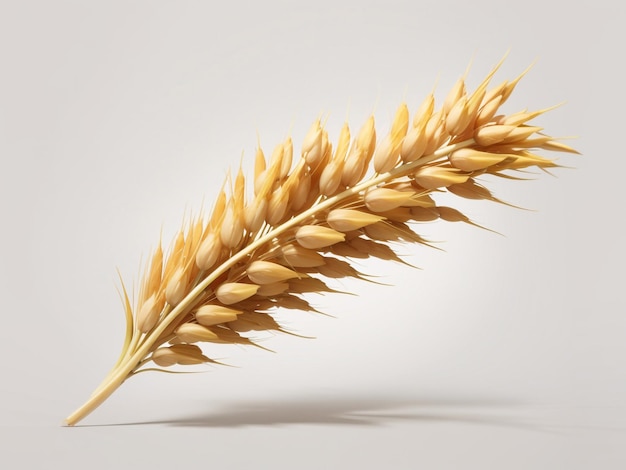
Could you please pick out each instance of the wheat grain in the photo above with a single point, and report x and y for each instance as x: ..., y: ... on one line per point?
x: 227, y: 276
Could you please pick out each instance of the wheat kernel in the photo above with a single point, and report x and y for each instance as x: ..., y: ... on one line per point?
x: 233, y: 292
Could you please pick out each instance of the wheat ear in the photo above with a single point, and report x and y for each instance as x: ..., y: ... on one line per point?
x: 225, y: 275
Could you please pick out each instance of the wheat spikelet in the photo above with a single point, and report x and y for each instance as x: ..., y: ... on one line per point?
x: 225, y: 276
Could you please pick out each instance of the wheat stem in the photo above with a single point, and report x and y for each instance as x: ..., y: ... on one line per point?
x: 132, y: 360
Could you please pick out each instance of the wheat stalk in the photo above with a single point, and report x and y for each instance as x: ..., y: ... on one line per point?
x: 225, y: 275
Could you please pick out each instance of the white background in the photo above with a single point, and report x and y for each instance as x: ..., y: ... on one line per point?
x: 119, y: 119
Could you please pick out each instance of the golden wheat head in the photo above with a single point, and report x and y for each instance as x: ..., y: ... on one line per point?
x: 264, y: 249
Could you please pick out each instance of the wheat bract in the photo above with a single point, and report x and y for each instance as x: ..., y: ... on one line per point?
x: 227, y: 274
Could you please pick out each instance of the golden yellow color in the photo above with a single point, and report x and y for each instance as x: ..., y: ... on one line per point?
x: 308, y: 217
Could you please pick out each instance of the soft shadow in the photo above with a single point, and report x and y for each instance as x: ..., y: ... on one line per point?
x: 352, y: 411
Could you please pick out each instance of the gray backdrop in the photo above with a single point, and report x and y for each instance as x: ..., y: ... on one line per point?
x: 118, y: 119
